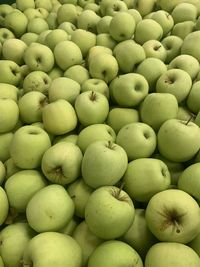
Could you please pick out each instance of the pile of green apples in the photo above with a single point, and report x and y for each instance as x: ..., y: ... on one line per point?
x: 99, y: 133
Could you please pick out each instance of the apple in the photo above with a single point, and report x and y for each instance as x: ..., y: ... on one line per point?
x: 92, y: 6
x: 128, y: 54
x: 169, y: 213
x: 155, y: 49
x: 4, y: 205
x: 122, y: 26
x: 184, y: 12
x: 157, y: 108
x: 145, y: 6
x: 69, y: 228
x: 172, y: 44
x: 115, y: 212
x: 5, y: 141
x: 129, y: 89
x: 54, y: 37
x: 79, y: 191
x: 175, y: 81
x: 135, y: 13
x: 32, y: 12
x: 46, y: 4
x: 67, y: 13
x: 64, y: 88
x: 96, y: 50
x: 178, y: 140
x: 4, y: 10
x: 68, y: 27
x: 14, y: 239
x: 72, y: 54
x: 42, y: 37
x: 193, y: 97
x: 9, y: 115
x: 9, y: 72
x: 9, y: 91
x: 55, y: 72
x: 183, y: 29
x: 21, y: 5
x: 165, y: 20
x: 29, y: 38
x: 61, y: 163
x: 111, y: 7
x: 105, y: 40
x: 37, y: 25
x: 15, y: 55
x: 37, y: 81
x: 1, y: 262
x: 5, y: 34
x: 190, y: 45
x: 87, y: 241
x: 149, y: 73
x: 59, y: 117
x: 96, y: 85
x: 78, y: 73
x: 55, y: 247
x: 28, y: 146
x: 138, y: 235
x: 2, y: 172
x: 104, y: 163
x: 185, y: 114
x: 167, y: 253
x: 87, y: 20
x: 103, y: 24
x: 195, y: 244
x: 91, y: 108
x: 56, y: 209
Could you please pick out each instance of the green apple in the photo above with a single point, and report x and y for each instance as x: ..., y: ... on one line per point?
x: 96, y: 85
x: 4, y: 10
x: 28, y: 146
x: 173, y: 215
x: 42, y: 37
x: 3, y: 172
x: 32, y: 12
x: 175, y: 81
x: 96, y: 50
x: 83, y: 3
x: 147, y: 29
x: 185, y: 114
x: 165, y: 19
x: 105, y: 40
x: 84, y: 39
x: 155, y: 49
x: 4, y: 205
x: 88, y: 20
x: 79, y: 191
x: 55, y: 72
x: 69, y: 228
x: 103, y: 24
x: 164, y: 254
x: 56, y: 209
x: 37, y: 80
x: 67, y: 13
x: 72, y: 54
x: 184, y: 12
x: 157, y: 108
x: 122, y: 26
x: 46, y: 4
x: 190, y: 45
x: 186, y: 62
x: 59, y: 117
x: 29, y: 38
x: 172, y: 44
x: 129, y: 89
x: 68, y: 27
x: 91, y: 108
x: 9, y: 91
x: 92, y: 6
x: 14, y: 239
x: 54, y: 37
x: 151, y: 74
x: 145, y: 6
x: 17, y: 22
x: 87, y: 241
x: 54, y: 247
x: 192, y: 100
x: 110, y: 8
x: 119, y: 117
x: 15, y: 55
x: 64, y: 88
x: 37, y: 25
x: 195, y: 244
x: 178, y: 140
x: 138, y: 235
x: 145, y: 177
x: 78, y: 73
x: 183, y: 29
x: 9, y: 115
x: 9, y: 72
x: 21, y: 5
x: 104, y: 163
x: 94, y: 133
x: 52, y: 20
x: 5, y: 141
x: 115, y: 212
x: 68, y: 137
x: 135, y: 13
x: 61, y: 163
x: 39, y: 57
x: 128, y: 54
x: 5, y: 34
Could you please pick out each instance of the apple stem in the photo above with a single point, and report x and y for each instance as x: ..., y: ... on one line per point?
x: 93, y: 96
x: 177, y: 227
x: 120, y: 189
x: 190, y: 118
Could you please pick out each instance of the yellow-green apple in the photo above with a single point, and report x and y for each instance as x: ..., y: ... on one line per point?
x: 190, y: 45
x: 111, y: 7
x: 145, y: 6
x: 97, y: 49
x: 78, y: 73
x: 5, y: 141
x: 104, y: 163
x: 165, y: 20
x: 46, y: 4
x: 192, y: 100
x: 69, y: 228
x: 68, y: 137
x: 4, y: 10
x: 10, y: 72
x: 29, y: 38
x: 67, y: 13
x: 21, y: 5
x: 184, y: 12
x: 173, y: 215
x: 68, y: 27
x: 52, y: 20
x: 96, y: 85
x: 5, y: 34
x: 9, y: 91
x: 183, y: 29
x: 28, y: 146
x: 32, y: 12
x: 55, y: 72
x: 155, y: 49
x: 103, y: 24
x: 172, y: 45
x: 115, y: 212
x: 4, y: 205
x: 135, y: 14
x: 56, y: 209
x: 87, y: 20
x: 54, y: 37
x: 61, y: 163
x: 59, y: 117
x: 2, y: 172
x: 105, y: 40
x: 37, y: 25
x: 55, y: 247
x: 42, y: 36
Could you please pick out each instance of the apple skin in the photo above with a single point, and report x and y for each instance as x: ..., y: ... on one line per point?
x: 56, y: 209
x: 190, y: 45
x: 37, y: 25
x: 106, y: 40
x: 87, y: 20
x: 5, y: 142
x: 4, y: 10
x: 87, y: 241
x: 69, y: 228
x: 55, y: 247
x: 178, y: 140
x: 165, y: 19
x: 4, y: 205
x: 14, y: 239
x: 103, y: 24
x: 115, y: 212
x: 183, y: 29
x: 192, y: 100
x: 173, y: 215
x: 2, y: 172
x: 21, y: 186
x: 94, y: 133
x: 54, y: 37
x: 59, y: 117
x: 61, y: 163
x: 173, y: 44
x: 155, y: 49
x: 21, y: 5
x: 28, y: 146
x: 96, y: 85
x: 67, y: 13
x: 164, y: 254
x: 104, y: 163
x: 184, y: 12
x: 78, y: 73
x: 9, y: 72
x: 29, y: 38
x: 114, y: 253
x: 1, y: 262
